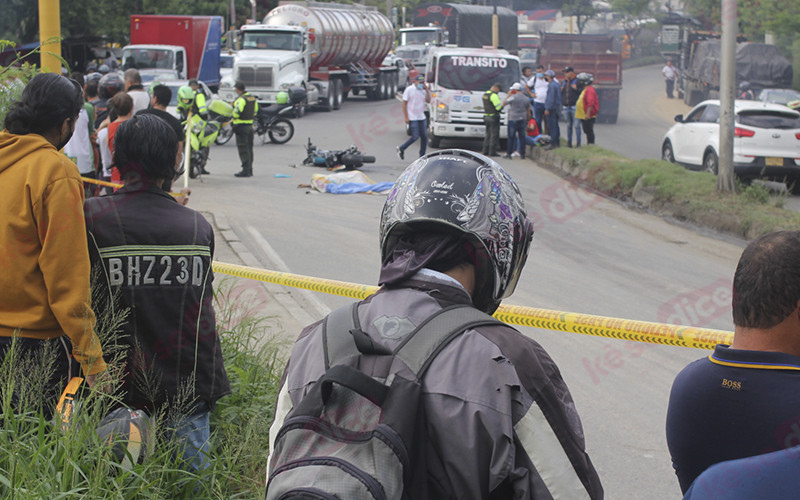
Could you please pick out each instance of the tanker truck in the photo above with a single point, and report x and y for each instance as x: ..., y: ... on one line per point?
x: 329, y: 49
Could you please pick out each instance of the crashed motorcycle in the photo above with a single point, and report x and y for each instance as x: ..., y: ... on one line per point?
x: 203, y: 131
x: 350, y: 158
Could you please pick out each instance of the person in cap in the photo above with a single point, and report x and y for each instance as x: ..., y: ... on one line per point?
x: 415, y: 99
x: 492, y: 106
x: 552, y: 108
x: 499, y: 418
x: 569, y: 98
x: 518, y: 110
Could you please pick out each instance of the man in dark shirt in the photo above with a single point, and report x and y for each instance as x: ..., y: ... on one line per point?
x: 743, y: 400
x: 153, y: 258
x: 159, y: 100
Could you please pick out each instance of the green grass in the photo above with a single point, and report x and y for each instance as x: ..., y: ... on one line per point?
x: 750, y: 212
x: 40, y: 460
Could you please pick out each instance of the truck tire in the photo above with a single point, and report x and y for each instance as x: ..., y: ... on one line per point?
x: 433, y: 139
x: 393, y: 92
x: 330, y: 100
x: 337, y: 94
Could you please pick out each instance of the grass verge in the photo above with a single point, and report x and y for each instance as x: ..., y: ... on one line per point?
x: 672, y: 190
x: 39, y: 459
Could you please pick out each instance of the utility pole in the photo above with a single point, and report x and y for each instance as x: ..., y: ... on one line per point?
x: 50, y: 35
x: 233, y: 14
x: 495, y: 27
x: 727, y: 82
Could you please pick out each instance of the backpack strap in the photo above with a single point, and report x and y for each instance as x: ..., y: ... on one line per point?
x: 423, y: 344
x: 336, y: 346
x: 418, y: 349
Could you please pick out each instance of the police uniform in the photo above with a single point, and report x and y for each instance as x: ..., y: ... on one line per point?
x: 245, y: 108
x: 491, y: 119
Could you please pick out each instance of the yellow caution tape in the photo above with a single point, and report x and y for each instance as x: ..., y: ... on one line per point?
x: 586, y: 324
x: 115, y: 185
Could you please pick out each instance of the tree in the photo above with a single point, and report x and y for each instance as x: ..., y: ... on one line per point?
x: 583, y: 10
x: 634, y: 15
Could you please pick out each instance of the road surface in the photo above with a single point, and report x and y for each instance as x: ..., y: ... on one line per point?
x: 589, y: 255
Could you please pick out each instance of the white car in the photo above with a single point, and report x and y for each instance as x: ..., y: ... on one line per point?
x: 402, y: 69
x: 766, y: 140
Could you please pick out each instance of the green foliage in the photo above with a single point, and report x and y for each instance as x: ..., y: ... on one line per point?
x: 687, y: 194
x: 40, y: 459
x: 583, y: 10
x: 12, y: 81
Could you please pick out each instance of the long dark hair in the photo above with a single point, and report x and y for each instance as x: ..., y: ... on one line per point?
x: 47, y: 100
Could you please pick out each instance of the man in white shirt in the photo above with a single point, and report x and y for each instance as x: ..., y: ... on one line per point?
x: 670, y: 73
x: 414, y: 99
x: 135, y: 89
x: 537, y: 86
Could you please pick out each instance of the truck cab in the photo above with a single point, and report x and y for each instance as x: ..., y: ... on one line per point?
x: 416, y: 42
x: 156, y: 62
x: 458, y: 78
x: 271, y: 59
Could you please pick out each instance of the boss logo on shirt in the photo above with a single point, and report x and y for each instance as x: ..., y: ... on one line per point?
x: 733, y: 385
x: 156, y: 265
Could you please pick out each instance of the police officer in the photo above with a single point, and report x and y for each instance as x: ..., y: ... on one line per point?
x: 200, y: 105
x: 245, y: 108
x: 491, y: 119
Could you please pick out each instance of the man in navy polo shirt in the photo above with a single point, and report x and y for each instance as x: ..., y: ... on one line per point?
x: 744, y: 399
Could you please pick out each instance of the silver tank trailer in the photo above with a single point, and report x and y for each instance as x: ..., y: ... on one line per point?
x: 340, y: 35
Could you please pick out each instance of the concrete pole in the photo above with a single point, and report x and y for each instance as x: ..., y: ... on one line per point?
x: 727, y: 83
x: 253, y: 11
x: 50, y: 35
x: 495, y: 29
x: 233, y: 15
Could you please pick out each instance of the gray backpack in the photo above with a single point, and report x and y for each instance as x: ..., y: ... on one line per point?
x: 353, y: 437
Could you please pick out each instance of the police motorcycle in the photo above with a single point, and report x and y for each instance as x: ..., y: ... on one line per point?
x: 350, y: 158
x: 203, y: 131
x: 291, y: 103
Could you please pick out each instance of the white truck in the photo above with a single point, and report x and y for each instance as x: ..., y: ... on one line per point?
x: 458, y: 78
x: 329, y: 49
x: 415, y: 43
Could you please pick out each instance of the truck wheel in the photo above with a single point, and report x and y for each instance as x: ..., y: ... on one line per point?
x: 393, y: 92
x: 434, y: 140
x: 330, y: 100
x: 381, y: 90
x: 337, y: 94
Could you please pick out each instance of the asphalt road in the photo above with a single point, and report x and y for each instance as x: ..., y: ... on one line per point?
x: 589, y: 255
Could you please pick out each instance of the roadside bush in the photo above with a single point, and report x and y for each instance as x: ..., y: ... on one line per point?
x: 40, y: 460
x: 752, y: 211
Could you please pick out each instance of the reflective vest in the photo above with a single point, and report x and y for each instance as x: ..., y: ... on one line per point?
x: 244, y: 109
x: 491, y: 103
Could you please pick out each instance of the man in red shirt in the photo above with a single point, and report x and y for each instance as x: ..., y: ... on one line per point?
x: 588, y: 106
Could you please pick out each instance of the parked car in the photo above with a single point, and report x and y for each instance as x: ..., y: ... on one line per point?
x: 406, y: 71
x: 778, y: 96
x: 174, y: 85
x: 766, y: 140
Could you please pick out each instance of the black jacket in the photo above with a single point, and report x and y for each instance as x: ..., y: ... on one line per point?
x: 156, y: 262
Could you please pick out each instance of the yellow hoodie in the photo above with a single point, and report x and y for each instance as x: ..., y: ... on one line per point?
x: 44, y: 255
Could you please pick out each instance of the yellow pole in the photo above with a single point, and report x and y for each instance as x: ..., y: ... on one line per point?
x: 187, y: 150
x: 50, y: 35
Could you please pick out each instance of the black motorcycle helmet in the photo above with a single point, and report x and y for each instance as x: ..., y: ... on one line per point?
x: 466, y: 195
x: 109, y: 85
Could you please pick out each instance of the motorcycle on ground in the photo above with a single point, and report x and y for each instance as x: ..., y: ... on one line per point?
x: 350, y: 158
x: 203, y: 131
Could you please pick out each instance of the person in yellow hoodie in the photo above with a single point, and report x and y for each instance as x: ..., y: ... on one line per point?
x: 44, y: 256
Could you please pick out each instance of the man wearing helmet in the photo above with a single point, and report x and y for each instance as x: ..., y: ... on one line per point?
x: 746, y: 92
x: 500, y: 420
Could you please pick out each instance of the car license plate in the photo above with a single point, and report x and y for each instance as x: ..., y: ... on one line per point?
x: 773, y: 161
